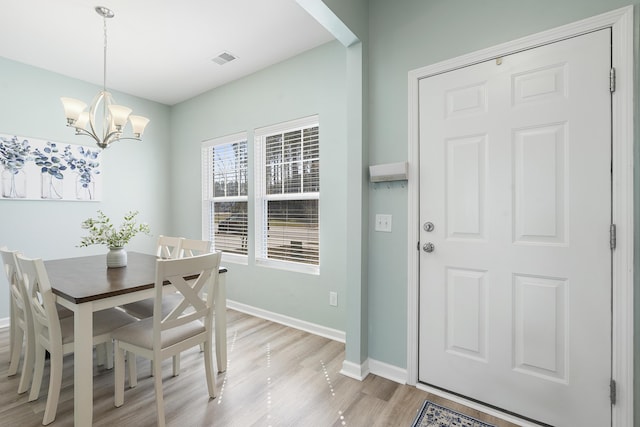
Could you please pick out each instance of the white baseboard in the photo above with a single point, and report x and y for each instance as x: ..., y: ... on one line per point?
x: 312, y: 328
x: 355, y: 371
x: 349, y: 369
x: 4, y: 323
x: 375, y: 367
x: 387, y: 371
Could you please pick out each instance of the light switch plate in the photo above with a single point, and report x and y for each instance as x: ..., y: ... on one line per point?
x: 333, y: 298
x: 383, y: 223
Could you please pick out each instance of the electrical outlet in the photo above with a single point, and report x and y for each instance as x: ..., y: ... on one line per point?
x: 333, y: 298
x: 383, y: 223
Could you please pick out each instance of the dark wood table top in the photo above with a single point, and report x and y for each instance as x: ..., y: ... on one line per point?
x: 85, y: 279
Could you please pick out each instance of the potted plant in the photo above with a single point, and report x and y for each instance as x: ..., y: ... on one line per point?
x: 103, y: 232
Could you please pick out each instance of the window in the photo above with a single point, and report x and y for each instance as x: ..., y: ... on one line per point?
x: 224, y: 194
x: 287, y: 195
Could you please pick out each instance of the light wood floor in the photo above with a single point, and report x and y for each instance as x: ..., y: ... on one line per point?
x: 276, y: 376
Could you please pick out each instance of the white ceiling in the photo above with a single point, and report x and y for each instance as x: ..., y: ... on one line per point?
x: 160, y: 50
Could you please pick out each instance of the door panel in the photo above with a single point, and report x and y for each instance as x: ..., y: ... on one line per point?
x: 540, y: 185
x: 465, y: 187
x: 515, y: 174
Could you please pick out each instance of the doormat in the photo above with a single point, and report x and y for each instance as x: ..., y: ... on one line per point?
x: 432, y: 415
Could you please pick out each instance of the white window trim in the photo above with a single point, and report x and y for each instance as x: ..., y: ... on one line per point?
x: 259, y: 214
x: 207, y: 191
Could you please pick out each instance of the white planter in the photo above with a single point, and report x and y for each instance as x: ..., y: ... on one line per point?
x: 116, y: 257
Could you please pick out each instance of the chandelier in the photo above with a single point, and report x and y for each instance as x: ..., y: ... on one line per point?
x: 103, y: 108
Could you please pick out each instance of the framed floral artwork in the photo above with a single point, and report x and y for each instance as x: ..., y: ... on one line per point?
x: 34, y: 169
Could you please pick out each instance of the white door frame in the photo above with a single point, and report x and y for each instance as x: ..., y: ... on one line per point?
x: 621, y: 23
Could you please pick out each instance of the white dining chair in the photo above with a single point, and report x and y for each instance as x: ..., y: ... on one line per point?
x: 193, y: 247
x: 21, y: 322
x: 55, y: 335
x: 187, y: 325
x: 181, y: 248
x: 185, y: 248
x: 169, y: 247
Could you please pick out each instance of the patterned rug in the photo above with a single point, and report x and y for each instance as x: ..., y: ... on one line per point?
x: 432, y: 415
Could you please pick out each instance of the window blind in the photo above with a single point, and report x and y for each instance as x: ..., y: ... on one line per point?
x: 290, y: 193
x: 226, y: 201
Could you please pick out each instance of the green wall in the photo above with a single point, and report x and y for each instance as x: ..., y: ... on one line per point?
x: 404, y: 36
x: 135, y: 174
x: 409, y: 34
x: 311, y: 83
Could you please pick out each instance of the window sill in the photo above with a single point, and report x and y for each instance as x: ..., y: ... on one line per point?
x: 289, y: 266
x: 235, y: 258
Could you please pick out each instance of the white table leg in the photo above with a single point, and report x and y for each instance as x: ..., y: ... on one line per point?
x: 83, y: 365
x: 221, y: 323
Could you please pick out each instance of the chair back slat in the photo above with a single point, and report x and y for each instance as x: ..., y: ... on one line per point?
x: 190, y: 276
x: 169, y: 247
x: 41, y: 299
x: 193, y: 247
x: 21, y: 310
x: 190, y: 290
x: 16, y: 287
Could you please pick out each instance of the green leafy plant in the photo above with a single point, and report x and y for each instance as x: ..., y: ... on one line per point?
x: 103, y: 232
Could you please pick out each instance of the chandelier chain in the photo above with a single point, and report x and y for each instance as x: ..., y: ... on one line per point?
x: 114, y: 116
x: 104, y: 62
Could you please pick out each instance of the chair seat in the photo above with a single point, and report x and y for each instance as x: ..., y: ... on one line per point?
x: 104, y: 322
x: 143, y: 309
x: 141, y: 333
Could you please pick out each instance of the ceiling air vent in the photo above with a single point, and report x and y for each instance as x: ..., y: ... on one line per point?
x: 223, y: 58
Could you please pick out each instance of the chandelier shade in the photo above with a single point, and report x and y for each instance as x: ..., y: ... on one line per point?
x: 105, y: 120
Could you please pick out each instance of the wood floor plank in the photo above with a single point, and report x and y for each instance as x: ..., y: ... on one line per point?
x: 276, y: 376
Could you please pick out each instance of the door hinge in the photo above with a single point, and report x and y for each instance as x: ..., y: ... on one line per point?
x: 612, y: 236
x: 612, y: 391
x: 612, y: 80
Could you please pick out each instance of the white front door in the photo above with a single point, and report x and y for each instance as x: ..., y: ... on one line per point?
x: 515, y: 176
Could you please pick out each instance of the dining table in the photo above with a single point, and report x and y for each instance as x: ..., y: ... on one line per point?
x: 85, y: 285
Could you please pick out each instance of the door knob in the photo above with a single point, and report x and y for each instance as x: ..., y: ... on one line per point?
x: 428, y: 226
x: 428, y: 247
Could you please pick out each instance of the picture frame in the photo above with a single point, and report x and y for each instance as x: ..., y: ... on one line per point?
x: 37, y: 169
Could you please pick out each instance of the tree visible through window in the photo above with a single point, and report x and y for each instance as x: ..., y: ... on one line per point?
x: 225, y: 189
x: 288, y: 193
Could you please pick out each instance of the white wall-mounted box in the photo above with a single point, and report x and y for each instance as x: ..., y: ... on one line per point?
x: 389, y: 172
